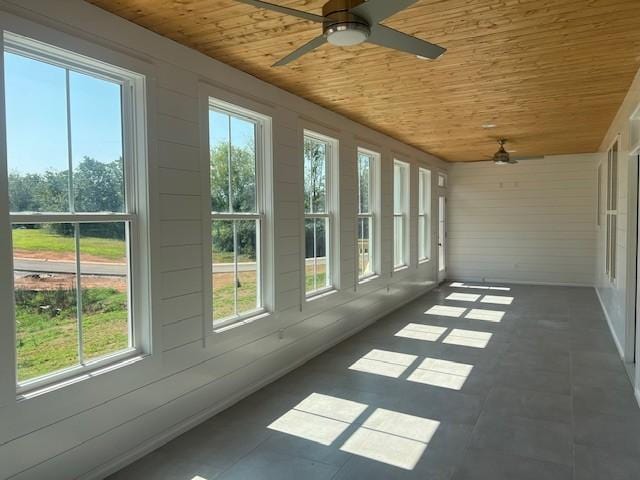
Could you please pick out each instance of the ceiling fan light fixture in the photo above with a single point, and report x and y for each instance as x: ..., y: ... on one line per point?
x: 347, y: 34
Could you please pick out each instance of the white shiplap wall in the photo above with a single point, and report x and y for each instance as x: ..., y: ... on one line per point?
x: 533, y: 222
x: 91, y: 427
x: 618, y: 298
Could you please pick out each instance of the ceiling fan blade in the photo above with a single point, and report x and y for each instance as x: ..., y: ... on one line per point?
x: 374, y: 11
x: 289, y: 11
x: 312, y: 45
x: 390, y: 38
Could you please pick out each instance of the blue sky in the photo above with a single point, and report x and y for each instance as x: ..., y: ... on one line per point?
x: 37, y: 118
x: 242, y: 132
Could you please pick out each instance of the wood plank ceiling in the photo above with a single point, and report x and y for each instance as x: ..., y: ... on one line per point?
x: 550, y: 74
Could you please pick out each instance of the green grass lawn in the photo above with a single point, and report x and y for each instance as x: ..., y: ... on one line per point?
x: 223, y: 294
x: 48, y: 341
x: 42, y: 240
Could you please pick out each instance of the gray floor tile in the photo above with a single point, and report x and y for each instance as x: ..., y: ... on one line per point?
x: 545, y: 394
x: 485, y: 464
x: 541, y: 440
x: 263, y: 464
x: 158, y: 466
x: 605, y: 400
x: 597, y: 464
x: 608, y: 432
x: 509, y: 401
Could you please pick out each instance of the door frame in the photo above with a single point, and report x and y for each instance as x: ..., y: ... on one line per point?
x: 441, y: 192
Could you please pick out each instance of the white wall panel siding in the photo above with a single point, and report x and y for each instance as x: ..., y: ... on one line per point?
x: 530, y: 222
x: 91, y: 427
x: 618, y: 298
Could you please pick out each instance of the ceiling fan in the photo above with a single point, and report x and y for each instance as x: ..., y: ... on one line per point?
x: 502, y: 157
x: 351, y: 22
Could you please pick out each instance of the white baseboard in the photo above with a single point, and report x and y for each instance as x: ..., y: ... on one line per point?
x: 517, y: 282
x: 610, y: 324
x: 187, y: 424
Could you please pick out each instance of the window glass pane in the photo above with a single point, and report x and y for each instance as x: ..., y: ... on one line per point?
x: 223, y: 269
x: 365, y: 246
x: 316, y: 250
x: 37, y: 153
x: 398, y: 244
x: 243, y: 166
x: 104, y: 281
x: 364, y: 182
x: 235, y: 267
x: 315, y: 173
x: 424, y: 237
x: 44, y: 258
x: 219, y: 140
x: 247, y: 279
x: 399, y: 188
x: 96, y: 144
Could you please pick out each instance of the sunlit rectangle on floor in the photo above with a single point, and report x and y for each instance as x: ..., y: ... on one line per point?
x: 463, y: 297
x: 468, y: 338
x: 486, y: 315
x: 441, y: 373
x: 497, y: 299
x: 418, y: 331
x: 393, y: 438
x: 383, y: 362
x: 446, y: 311
x: 319, y: 418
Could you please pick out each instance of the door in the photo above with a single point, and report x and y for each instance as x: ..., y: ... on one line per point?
x: 442, y: 238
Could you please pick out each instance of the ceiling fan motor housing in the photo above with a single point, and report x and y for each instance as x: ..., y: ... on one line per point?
x: 344, y: 28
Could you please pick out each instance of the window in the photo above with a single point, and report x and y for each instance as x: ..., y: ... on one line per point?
x: 367, y: 200
x: 612, y: 212
x: 318, y: 222
x: 400, y: 214
x: 442, y: 180
x: 72, y: 161
x: 424, y: 214
x: 236, y: 161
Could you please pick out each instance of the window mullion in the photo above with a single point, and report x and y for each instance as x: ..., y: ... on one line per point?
x: 71, y: 199
x: 76, y: 233
x: 235, y: 267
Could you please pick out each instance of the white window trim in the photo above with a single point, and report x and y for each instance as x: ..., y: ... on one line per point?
x: 404, y: 215
x: 611, y: 215
x: 424, y: 212
x: 134, y: 112
x: 332, y: 188
x: 228, y: 103
x: 374, y: 214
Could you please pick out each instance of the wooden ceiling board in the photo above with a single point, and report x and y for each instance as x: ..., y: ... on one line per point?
x: 551, y: 74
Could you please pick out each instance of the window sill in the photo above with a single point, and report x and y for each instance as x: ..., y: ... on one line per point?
x: 368, y: 279
x: 240, y: 322
x: 320, y: 294
x: 424, y: 261
x: 401, y: 268
x: 76, y: 375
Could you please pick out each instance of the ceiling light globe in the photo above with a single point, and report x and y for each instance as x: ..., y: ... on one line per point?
x: 347, y: 34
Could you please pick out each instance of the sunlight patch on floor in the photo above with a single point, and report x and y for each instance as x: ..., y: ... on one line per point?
x: 446, y: 311
x: 464, y: 297
x: 497, y: 299
x: 393, y: 438
x: 486, y: 315
x: 441, y: 373
x: 468, y: 338
x: 383, y: 362
x: 418, y: 331
x: 319, y: 418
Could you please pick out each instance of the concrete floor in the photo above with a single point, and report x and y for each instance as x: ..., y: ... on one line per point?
x: 463, y: 383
